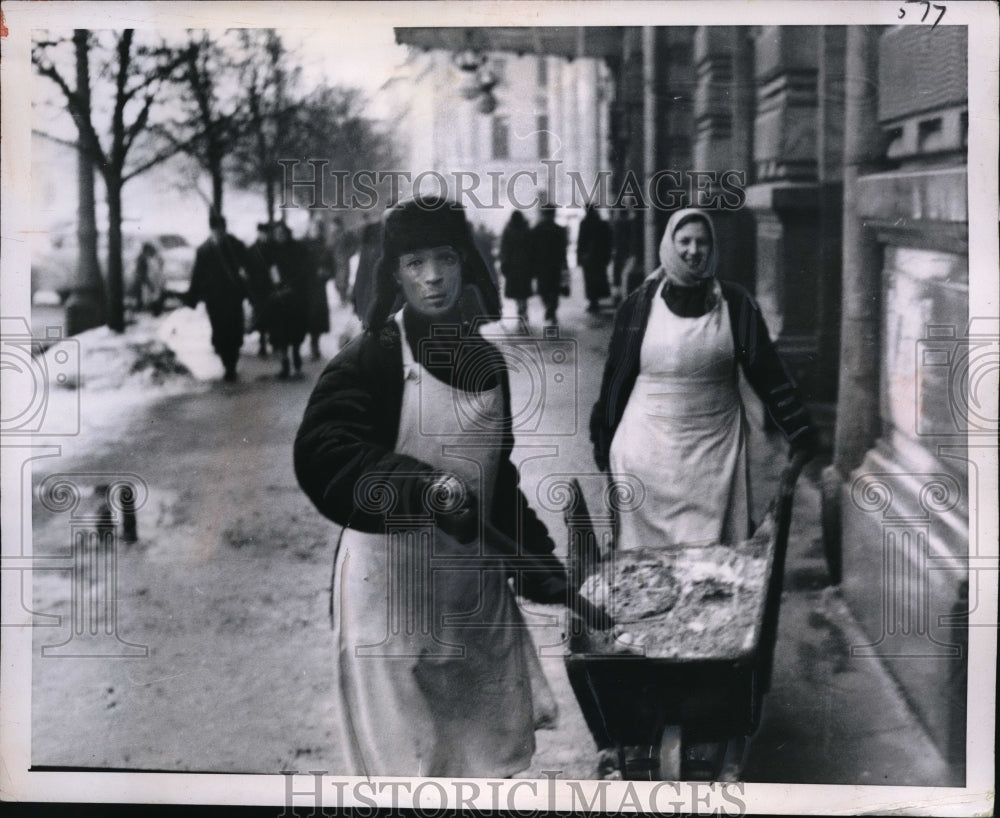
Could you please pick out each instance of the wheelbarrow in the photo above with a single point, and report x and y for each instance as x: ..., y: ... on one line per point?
x: 674, y: 688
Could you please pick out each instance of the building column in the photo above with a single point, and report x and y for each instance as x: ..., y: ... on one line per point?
x: 723, y: 139
x: 785, y: 198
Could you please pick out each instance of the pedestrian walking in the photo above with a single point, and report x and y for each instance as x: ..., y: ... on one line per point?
x: 417, y: 411
x: 515, y: 261
x: 288, y: 311
x: 548, y: 260
x: 150, y: 281
x: 484, y: 240
x: 318, y: 260
x: 593, y: 252
x: 259, y: 286
x: 368, y: 255
x: 217, y: 279
x: 341, y: 248
x: 630, y: 266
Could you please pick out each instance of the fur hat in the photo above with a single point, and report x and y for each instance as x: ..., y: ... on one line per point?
x: 419, y: 223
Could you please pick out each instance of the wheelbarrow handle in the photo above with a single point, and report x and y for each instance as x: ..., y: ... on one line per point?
x: 790, y: 474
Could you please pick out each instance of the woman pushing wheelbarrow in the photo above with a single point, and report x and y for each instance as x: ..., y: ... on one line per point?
x: 675, y: 689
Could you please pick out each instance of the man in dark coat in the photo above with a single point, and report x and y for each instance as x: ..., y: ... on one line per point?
x: 548, y: 259
x: 593, y: 252
x: 259, y: 281
x: 515, y: 261
x: 630, y: 265
x: 364, y: 282
x: 289, y: 303
x: 217, y: 280
x: 319, y: 260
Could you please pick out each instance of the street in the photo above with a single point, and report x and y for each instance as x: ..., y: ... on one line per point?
x: 228, y: 586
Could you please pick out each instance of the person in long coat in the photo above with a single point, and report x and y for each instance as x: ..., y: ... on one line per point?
x: 288, y: 313
x: 629, y: 252
x: 150, y: 281
x: 259, y: 285
x: 515, y: 261
x: 593, y: 252
x: 406, y: 444
x: 217, y: 279
x: 549, y: 244
x: 342, y: 248
x: 319, y: 270
x: 670, y: 411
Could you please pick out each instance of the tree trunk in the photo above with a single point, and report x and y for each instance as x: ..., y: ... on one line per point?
x: 269, y: 183
x: 85, y: 308
x: 116, y: 278
x: 217, y: 179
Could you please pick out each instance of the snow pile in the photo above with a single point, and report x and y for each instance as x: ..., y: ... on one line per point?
x: 92, y: 382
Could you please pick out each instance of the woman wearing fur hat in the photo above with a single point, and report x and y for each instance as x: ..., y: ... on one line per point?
x: 406, y: 443
x: 669, y: 410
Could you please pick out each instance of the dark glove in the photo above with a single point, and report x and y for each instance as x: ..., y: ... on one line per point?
x: 455, y: 508
x: 807, y: 443
x: 546, y: 583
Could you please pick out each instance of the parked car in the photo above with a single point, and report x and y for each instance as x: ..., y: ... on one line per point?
x: 54, y: 259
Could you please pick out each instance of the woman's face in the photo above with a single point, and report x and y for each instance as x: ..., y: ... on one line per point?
x: 431, y: 279
x: 693, y: 244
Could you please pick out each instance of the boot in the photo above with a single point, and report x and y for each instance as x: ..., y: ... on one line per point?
x: 297, y: 360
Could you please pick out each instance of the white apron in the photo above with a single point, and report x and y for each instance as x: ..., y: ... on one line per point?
x: 435, y: 684
x: 683, y: 433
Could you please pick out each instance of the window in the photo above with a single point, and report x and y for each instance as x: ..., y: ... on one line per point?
x: 501, y: 137
x: 542, y: 129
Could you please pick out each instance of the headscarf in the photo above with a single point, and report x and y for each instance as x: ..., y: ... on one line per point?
x: 676, y: 269
x: 419, y: 223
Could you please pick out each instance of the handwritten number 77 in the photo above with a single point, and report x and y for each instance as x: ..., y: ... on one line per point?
x: 927, y: 7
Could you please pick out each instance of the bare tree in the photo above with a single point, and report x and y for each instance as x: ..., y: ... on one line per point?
x: 212, y: 114
x: 268, y: 80
x: 136, y: 73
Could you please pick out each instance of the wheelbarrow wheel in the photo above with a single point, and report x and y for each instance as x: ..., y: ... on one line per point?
x: 654, y: 762
x: 670, y: 753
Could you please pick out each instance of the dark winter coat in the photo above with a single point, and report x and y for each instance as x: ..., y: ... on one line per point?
x: 259, y: 285
x: 216, y: 279
x: 515, y: 259
x: 368, y: 256
x: 629, y: 244
x: 548, y: 256
x: 288, y: 304
x: 755, y: 352
x: 593, y: 253
x: 319, y: 263
x: 349, y: 431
